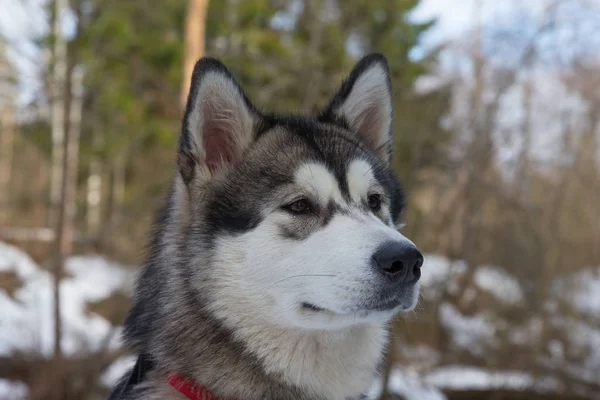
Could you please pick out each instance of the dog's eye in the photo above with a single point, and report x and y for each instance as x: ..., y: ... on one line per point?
x: 301, y: 206
x: 374, y: 202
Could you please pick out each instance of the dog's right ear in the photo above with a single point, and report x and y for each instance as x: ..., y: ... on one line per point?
x: 218, y: 124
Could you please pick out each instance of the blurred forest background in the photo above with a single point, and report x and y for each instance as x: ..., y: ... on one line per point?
x: 496, y: 138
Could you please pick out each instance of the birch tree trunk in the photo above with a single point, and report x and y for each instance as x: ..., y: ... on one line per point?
x: 65, y: 217
x: 59, y: 73
x: 195, y: 26
x: 7, y: 136
x: 94, y: 189
x: 118, y: 189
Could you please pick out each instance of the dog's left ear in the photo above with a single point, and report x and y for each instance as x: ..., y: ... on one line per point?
x: 364, y: 104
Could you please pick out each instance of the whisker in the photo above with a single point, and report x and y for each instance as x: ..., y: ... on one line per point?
x: 300, y: 276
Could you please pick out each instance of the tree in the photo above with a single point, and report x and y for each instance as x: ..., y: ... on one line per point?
x: 7, y: 128
x: 7, y: 137
x: 57, y: 101
x: 195, y: 26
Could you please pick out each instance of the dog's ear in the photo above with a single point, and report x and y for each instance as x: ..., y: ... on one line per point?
x: 218, y: 124
x: 364, y: 104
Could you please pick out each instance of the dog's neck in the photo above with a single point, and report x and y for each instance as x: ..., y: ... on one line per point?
x: 256, y: 361
x: 330, y: 364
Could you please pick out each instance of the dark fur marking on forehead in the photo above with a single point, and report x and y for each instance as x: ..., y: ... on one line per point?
x: 224, y: 213
x: 336, y: 148
x: 331, y: 209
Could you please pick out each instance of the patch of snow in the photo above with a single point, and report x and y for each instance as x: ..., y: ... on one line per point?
x: 586, y: 294
x: 98, y: 277
x: 26, y: 322
x: 12, y: 390
x: 117, y: 370
x: 412, y: 388
x: 429, y: 385
x: 435, y: 269
x: 468, y: 332
x: 408, y: 385
x: 587, y: 339
x: 463, y: 378
x: 13, y: 259
x: 499, y: 283
x: 438, y: 274
x: 583, y: 345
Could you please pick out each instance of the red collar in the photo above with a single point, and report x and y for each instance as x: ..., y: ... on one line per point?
x: 189, y: 388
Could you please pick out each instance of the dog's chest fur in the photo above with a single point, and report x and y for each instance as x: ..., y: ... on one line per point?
x: 324, y: 366
x: 334, y: 363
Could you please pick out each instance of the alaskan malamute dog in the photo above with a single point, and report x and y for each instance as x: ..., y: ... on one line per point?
x: 276, y: 265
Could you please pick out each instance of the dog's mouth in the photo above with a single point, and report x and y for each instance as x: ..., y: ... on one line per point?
x: 312, y: 307
x: 388, y: 305
x: 376, y: 311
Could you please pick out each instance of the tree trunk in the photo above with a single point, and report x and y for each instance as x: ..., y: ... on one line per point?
x: 313, y: 76
x: 65, y: 216
x: 58, y: 111
x: 522, y: 168
x: 118, y: 189
x: 7, y: 136
x: 195, y: 25
x: 94, y: 189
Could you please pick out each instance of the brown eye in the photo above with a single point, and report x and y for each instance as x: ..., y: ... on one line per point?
x: 301, y: 206
x: 374, y: 202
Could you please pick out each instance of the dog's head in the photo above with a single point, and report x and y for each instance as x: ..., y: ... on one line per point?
x: 292, y: 219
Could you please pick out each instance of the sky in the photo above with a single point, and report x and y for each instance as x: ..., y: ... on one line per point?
x: 20, y: 22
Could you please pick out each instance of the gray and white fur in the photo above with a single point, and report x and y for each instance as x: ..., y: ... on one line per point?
x: 275, y: 265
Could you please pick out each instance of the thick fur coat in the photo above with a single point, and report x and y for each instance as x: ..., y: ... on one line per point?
x: 275, y: 265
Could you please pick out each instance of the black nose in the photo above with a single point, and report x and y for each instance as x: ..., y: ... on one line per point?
x: 399, y: 261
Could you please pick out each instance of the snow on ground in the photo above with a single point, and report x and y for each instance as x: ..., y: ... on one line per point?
x: 583, y: 340
x: 429, y: 385
x: 409, y: 385
x: 464, y: 378
x: 26, y: 322
x: 439, y: 272
x: 585, y: 291
x: 11, y: 390
x: 471, y: 333
x: 497, y: 282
